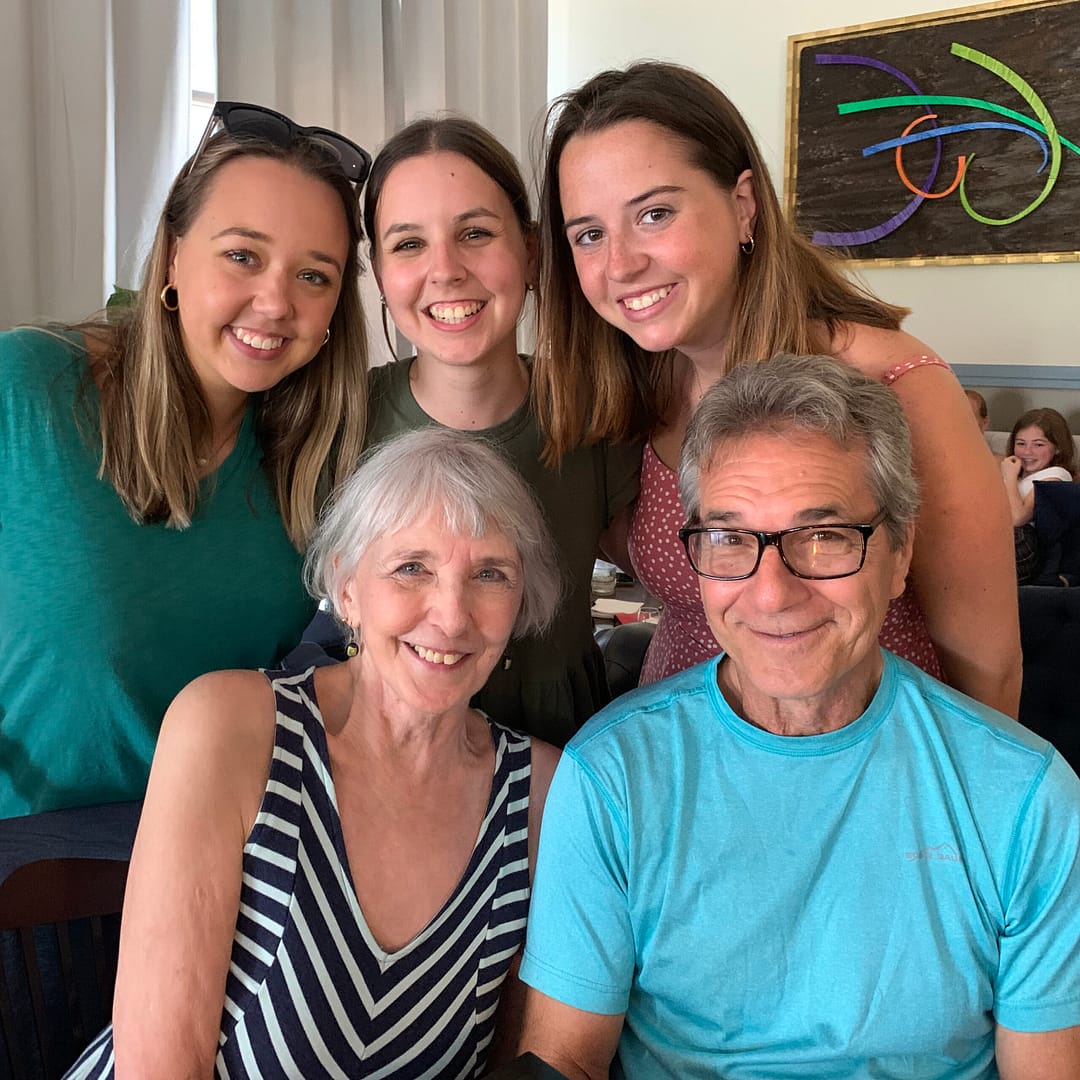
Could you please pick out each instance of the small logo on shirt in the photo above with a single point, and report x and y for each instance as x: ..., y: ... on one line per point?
x: 937, y: 853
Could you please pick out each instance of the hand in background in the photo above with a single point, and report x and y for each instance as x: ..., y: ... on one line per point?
x: 1010, y: 467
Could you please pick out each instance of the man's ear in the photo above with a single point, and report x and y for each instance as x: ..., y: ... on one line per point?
x: 902, y: 555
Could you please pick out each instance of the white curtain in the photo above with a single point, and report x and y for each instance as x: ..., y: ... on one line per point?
x: 484, y: 58
x: 98, y: 95
x: 94, y: 128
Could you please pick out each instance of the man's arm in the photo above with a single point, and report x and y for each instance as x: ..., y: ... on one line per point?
x: 579, y: 1044
x: 1038, y: 1055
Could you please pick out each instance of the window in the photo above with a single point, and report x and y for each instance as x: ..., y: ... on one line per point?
x: 203, y: 30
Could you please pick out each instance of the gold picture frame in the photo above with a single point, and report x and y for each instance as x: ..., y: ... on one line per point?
x: 946, y: 138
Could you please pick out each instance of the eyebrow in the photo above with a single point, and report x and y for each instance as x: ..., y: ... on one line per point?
x: 810, y: 516
x: 637, y: 200
x: 422, y: 554
x: 264, y: 238
x: 465, y: 215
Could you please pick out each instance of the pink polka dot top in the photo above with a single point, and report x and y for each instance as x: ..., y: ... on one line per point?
x: 683, y: 637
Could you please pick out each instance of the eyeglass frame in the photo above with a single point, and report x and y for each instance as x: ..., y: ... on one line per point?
x: 773, y: 539
x: 328, y: 138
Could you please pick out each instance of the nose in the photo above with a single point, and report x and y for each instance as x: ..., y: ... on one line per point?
x: 273, y: 294
x: 449, y: 608
x: 774, y: 586
x: 446, y: 265
x: 625, y: 260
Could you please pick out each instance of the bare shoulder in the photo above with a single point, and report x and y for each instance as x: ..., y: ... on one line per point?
x: 244, y: 699
x: 219, y: 729
x: 873, y: 350
x: 544, y: 759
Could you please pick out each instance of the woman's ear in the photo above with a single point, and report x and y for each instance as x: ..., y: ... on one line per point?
x: 745, y: 197
x: 532, y: 255
x: 170, y: 273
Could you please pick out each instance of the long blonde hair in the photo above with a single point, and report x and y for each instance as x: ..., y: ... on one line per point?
x: 591, y: 381
x: 154, y: 423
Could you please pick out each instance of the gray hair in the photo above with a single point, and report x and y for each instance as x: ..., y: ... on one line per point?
x: 817, y: 394
x: 404, y: 478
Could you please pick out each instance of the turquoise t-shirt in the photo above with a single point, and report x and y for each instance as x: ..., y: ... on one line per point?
x: 103, y: 621
x: 865, y: 903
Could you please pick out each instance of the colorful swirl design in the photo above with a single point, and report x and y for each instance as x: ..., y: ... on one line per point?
x: 1042, y: 129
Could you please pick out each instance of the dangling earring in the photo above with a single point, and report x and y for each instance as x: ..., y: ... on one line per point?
x: 327, y: 338
x: 175, y: 305
x: 747, y: 246
x: 386, y: 327
x: 352, y: 647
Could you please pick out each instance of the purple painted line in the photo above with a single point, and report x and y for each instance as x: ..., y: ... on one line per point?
x: 878, y: 232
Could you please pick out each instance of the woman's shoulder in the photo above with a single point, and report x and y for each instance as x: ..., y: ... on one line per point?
x: 1054, y: 472
x: 879, y: 353
x: 382, y: 377
x: 39, y: 353
x: 223, y: 709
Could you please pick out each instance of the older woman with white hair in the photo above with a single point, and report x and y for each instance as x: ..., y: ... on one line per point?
x: 332, y: 871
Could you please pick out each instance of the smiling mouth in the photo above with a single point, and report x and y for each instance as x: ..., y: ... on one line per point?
x: 447, y: 659
x: 646, y: 300
x: 787, y: 635
x: 257, y: 341
x: 451, y: 314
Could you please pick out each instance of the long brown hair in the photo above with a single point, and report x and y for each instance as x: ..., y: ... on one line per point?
x: 591, y: 381
x: 154, y: 423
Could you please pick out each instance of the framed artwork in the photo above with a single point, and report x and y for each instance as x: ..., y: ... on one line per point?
x: 952, y: 137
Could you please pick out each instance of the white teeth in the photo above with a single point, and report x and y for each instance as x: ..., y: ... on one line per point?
x: 640, y: 303
x: 454, y: 313
x: 257, y: 341
x: 437, y: 657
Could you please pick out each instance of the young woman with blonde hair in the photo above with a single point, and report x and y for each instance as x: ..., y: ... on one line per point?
x: 163, y: 467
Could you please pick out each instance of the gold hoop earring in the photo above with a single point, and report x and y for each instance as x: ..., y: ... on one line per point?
x: 175, y: 306
x: 326, y: 339
x: 747, y: 246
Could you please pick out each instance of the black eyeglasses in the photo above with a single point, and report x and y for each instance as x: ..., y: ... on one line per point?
x: 242, y: 120
x: 818, y: 552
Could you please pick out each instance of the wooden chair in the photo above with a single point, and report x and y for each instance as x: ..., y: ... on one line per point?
x: 59, y: 933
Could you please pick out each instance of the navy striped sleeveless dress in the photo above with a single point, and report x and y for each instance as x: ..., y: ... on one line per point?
x: 310, y: 993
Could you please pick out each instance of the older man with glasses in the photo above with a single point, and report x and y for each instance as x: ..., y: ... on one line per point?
x: 805, y: 858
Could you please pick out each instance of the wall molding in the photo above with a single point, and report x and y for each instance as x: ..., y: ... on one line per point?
x: 1020, y: 376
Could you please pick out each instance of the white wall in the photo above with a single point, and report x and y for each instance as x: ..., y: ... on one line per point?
x: 1019, y: 314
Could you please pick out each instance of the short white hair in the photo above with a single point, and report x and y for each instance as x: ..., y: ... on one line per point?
x: 403, y: 479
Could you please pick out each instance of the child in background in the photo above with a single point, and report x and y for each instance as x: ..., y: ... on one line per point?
x: 1040, y: 448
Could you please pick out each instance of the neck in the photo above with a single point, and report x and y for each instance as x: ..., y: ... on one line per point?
x: 226, y: 418
x: 699, y: 371
x: 386, y: 730
x: 831, y: 710
x: 473, y: 397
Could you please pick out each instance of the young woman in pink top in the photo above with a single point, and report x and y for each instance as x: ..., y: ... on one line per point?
x: 666, y: 260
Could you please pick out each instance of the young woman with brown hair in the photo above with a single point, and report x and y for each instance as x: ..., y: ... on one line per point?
x: 666, y: 261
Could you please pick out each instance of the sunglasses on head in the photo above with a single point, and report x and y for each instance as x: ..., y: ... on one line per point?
x: 242, y: 120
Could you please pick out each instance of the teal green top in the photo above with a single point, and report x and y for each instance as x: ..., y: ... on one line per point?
x: 547, y: 686
x: 103, y: 621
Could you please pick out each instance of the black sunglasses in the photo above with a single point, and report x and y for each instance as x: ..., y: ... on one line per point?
x: 243, y: 120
